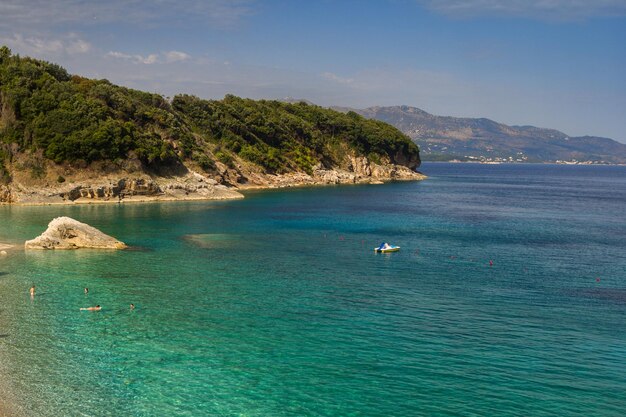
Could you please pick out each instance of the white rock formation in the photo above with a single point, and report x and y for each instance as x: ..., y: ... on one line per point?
x: 67, y: 233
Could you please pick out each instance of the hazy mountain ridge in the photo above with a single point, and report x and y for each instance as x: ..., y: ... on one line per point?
x: 447, y: 138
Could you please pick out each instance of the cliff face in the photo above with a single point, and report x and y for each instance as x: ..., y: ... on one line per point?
x: 359, y: 170
x: 64, y: 138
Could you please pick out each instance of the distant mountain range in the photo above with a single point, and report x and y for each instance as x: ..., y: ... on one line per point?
x: 445, y: 138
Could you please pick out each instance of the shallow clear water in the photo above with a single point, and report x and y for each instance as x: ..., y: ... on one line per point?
x: 276, y: 305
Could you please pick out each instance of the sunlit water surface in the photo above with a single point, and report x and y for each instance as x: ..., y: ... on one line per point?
x: 276, y: 305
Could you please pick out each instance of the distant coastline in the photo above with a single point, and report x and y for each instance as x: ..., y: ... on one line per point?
x: 463, y: 138
x: 585, y: 163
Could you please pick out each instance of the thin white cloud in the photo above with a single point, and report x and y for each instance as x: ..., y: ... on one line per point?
x: 69, y: 44
x: 334, y: 77
x: 139, y: 59
x: 150, y: 59
x: 78, y: 46
x: 119, y: 55
x: 154, y: 58
x: 47, y: 14
x: 175, y: 56
x: 540, y: 9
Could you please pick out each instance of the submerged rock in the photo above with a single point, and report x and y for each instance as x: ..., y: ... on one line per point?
x: 67, y: 233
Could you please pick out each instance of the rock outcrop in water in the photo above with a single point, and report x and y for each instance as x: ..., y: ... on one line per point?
x: 67, y: 233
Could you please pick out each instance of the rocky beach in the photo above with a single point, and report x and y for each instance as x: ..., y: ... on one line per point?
x: 91, y: 187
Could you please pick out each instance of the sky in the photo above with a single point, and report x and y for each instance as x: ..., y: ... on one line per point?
x: 550, y: 63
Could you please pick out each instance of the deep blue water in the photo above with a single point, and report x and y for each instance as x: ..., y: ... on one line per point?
x: 276, y: 305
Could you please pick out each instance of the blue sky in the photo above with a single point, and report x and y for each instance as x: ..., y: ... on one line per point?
x: 548, y: 63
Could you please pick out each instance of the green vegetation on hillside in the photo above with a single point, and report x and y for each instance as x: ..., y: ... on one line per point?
x: 278, y: 135
x: 69, y: 118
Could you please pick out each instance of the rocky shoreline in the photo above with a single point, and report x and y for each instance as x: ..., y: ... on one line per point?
x: 194, y: 186
x: 365, y: 173
x: 118, y: 189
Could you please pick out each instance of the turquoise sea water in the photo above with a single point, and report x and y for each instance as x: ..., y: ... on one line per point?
x: 276, y: 305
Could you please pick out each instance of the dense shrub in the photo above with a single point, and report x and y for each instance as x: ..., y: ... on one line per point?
x: 71, y: 118
x: 279, y: 135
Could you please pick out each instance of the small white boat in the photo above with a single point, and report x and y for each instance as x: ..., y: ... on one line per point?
x: 386, y: 247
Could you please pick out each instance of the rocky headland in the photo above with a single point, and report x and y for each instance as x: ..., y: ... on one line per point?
x: 91, y: 141
x: 67, y: 233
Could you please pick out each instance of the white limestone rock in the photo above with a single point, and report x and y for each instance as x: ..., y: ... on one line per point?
x: 67, y: 233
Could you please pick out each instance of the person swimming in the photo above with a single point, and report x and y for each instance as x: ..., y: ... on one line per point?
x: 96, y: 308
x: 32, y: 291
x: 132, y: 306
x: 86, y: 290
